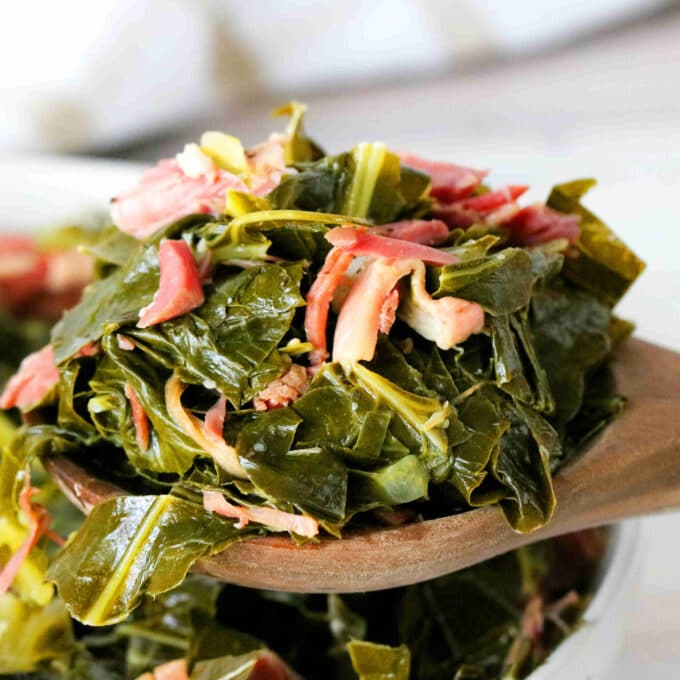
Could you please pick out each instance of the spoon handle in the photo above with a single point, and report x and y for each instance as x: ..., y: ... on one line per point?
x: 634, y: 468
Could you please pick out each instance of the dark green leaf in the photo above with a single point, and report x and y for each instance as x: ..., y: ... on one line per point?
x: 501, y: 282
x: 604, y: 265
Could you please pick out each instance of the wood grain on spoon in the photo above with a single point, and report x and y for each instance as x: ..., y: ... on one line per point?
x: 632, y: 468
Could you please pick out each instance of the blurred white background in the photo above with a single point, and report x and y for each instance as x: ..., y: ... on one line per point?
x: 538, y: 90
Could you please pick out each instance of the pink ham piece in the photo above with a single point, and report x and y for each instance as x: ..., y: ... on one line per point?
x: 490, y: 208
x: 166, y: 193
x: 38, y: 524
x: 319, y: 298
x: 538, y: 224
x: 36, y: 376
x: 139, y: 418
x: 214, y: 501
x: 284, y: 390
x: 356, y: 332
x: 363, y: 242
x: 427, y: 232
x: 492, y: 200
x: 449, y: 182
x: 179, y: 290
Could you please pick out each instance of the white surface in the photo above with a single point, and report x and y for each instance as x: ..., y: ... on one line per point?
x: 592, y: 649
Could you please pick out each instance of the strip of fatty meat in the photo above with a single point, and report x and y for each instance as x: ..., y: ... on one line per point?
x: 427, y: 232
x: 362, y: 242
x: 486, y: 208
x: 356, y: 332
x: 319, y: 299
x: 539, y: 224
x: 214, y: 501
x: 449, y: 181
x: 179, y: 289
x: 447, y: 321
x: 166, y: 193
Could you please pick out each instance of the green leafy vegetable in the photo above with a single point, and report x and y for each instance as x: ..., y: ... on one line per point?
x: 605, y: 265
x: 133, y: 545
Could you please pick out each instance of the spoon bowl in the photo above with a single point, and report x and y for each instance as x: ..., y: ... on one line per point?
x: 632, y: 468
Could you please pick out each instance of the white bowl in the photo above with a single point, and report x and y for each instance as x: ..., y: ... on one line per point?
x: 40, y: 192
x: 590, y: 651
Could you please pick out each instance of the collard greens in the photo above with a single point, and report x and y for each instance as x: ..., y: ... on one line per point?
x: 415, y: 428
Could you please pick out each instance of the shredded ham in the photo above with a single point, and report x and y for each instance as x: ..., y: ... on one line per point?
x: 356, y: 332
x: 213, y: 444
x: 192, y: 183
x: 449, y: 182
x: 165, y: 194
x: 492, y: 200
x: 38, y: 525
x: 494, y: 207
x: 363, y: 242
x: 303, y: 525
x: 447, y: 321
x: 319, y: 298
x: 283, y: 390
x: 139, y: 418
x: 427, y: 232
x: 179, y: 290
x: 36, y: 376
x: 538, y: 224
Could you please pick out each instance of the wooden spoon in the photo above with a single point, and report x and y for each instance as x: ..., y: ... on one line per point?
x: 632, y: 468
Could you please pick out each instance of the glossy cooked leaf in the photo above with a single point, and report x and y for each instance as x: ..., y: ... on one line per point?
x: 229, y: 343
x: 501, y: 282
x: 133, y: 545
x: 108, y: 303
x: 569, y: 331
x: 419, y: 422
x: 523, y: 464
x: 299, y: 148
x: 170, y: 449
x: 366, y: 182
x: 312, y: 479
x: 403, y: 481
x: 604, y: 266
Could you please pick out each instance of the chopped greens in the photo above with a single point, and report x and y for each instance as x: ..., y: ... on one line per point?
x: 240, y: 400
